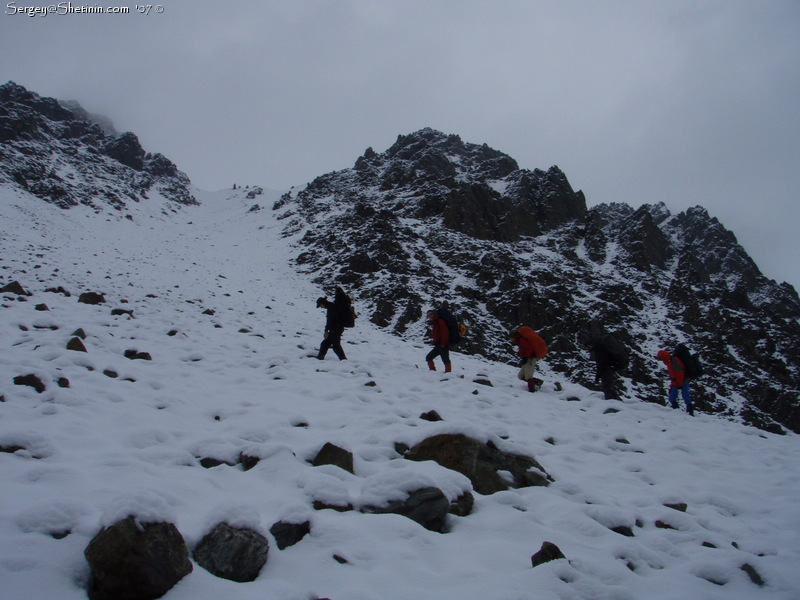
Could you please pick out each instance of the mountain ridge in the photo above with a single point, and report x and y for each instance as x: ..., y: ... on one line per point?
x: 434, y: 218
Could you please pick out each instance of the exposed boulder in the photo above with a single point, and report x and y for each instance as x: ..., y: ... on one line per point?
x: 427, y: 506
x: 30, y: 380
x: 480, y: 462
x: 232, y: 553
x: 288, y: 534
x: 91, y: 298
x: 133, y: 561
x: 14, y: 288
x: 330, y: 454
x: 548, y: 552
x: 76, y: 344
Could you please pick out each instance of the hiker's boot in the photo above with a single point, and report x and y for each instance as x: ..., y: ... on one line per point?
x: 448, y: 368
x: 531, y: 385
x: 431, y: 366
x: 690, y: 409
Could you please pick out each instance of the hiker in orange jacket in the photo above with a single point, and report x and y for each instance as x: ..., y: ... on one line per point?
x: 441, y: 340
x: 678, y: 380
x: 531, y: 347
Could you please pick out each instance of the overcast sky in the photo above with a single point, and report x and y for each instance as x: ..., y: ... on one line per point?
x: 637, y: 101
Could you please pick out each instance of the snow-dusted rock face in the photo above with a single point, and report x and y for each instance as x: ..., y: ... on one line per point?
x: 435, y: 219
x: 60, y: 155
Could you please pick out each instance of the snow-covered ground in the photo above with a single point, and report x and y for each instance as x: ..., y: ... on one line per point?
x: 126, y: 435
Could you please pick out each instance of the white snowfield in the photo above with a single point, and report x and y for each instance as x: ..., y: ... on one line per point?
x: 126, y: 436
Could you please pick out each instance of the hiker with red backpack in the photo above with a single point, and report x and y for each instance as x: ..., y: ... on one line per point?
x: 679, y: 380
x: 440, y: 333
x: 531, y: 347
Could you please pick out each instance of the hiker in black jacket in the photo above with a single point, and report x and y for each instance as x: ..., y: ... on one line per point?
x: 337, y: 319
x: 609, y: 356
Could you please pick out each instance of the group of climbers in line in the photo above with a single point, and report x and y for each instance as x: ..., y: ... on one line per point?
x: 609, y: 354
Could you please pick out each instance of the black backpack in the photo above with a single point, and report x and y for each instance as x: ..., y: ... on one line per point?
x: 619, y: 356
x: 452, y: 325
x: 691, y: 362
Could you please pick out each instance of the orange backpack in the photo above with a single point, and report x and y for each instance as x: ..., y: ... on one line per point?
x: 539, y: 345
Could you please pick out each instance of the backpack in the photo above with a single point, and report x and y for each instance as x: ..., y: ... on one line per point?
x: 349, y: 314
x: 539, y: 345
x: 619, y: 356
x: 691, y: 362
x: 452, y: 325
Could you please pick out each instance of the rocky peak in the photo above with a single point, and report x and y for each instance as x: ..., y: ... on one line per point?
x: 64, y: 158
x: 436, y: 219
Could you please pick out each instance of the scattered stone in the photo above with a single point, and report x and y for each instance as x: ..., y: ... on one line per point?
x: 623, y: 530
x: 680, y: 506
x: 247, y: 461
x: 232, y: 553
x: 340, y: 559
x: 483, y: 382
x: 79, y: 333
x: 11, y: 449
x: 63, y: 382
x: 118, y: 312
x: 209, y: 312
x: 136, y: 355
x: 320, y: 505
x: 432, y: 416
x: 548, y: 552
x: 42, y: 307
x: 333, y: 455
x: 462, y: 506
x: 133, y: 561
x: 663, y: 525
x: 754, y: 575
x: 91, y: 298
x: 30, y: 380
x: 15, y: 288
x: 76, y: 344
x: 288, y: 534
x: 111, y: 373
x: 59, y: 290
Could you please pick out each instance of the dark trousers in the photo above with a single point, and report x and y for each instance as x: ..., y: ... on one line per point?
x: 333, y: 339
x: 608, y: 379
x: 442, y: 351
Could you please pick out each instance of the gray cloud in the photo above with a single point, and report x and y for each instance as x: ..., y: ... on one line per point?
x: 684, y: 102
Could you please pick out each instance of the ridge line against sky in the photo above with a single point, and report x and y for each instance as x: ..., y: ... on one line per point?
x: 686, y: 102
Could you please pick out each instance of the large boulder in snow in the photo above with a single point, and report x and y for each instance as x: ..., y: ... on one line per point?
x: 133, y: 561
x: 481, y: 463
x: 232, y: 553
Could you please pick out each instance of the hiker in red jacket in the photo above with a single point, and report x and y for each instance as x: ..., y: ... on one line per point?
x: 678, y: 380
x: 441, y: 340
x: 531, y: 347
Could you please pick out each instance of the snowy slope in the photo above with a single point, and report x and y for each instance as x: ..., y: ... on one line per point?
x: 242, y: 380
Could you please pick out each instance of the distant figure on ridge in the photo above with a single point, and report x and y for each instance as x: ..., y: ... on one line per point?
x: 679, y: 380
x: 339, y: 316
x: 610, y: 356
x: 532, y: 348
